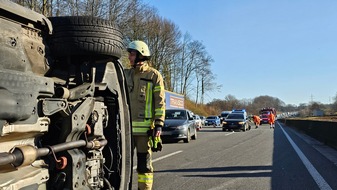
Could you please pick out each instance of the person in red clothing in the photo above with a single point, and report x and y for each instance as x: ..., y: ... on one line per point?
x: 257, y: 121
x: 271, y: 118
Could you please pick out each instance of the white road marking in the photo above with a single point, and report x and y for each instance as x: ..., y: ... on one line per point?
x: 163, y: 157
x: 328, y: 152
x: 229, y: 133
x: 322, y: 184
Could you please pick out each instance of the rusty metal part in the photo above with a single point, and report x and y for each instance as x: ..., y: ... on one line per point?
x: 23, y: 155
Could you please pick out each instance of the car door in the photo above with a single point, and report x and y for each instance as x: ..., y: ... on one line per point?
x: 191, y: 123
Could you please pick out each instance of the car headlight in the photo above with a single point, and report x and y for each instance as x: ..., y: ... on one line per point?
x: 181, y: 127
x: 241, y: 123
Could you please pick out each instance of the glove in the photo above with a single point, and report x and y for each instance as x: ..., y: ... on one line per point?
x: 157, y: 144
x: 154, y: 138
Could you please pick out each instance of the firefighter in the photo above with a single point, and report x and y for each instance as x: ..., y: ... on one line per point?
x: 257, y: 121
x: 147, y: 100
x: 271, y: 119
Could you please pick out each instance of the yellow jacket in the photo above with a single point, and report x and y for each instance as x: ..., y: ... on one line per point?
x: 147, y: 97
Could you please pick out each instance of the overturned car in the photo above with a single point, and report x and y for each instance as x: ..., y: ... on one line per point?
x: 64, y: 117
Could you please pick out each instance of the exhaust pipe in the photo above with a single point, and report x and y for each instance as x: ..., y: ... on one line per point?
x: 26, y: 154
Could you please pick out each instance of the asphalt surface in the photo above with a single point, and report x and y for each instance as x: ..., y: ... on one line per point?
x: 262, y: 158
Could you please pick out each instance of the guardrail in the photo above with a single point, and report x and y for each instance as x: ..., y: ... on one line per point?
x: 324, y: 131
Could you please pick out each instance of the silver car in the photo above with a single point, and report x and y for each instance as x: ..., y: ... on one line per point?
x: 197, y: 122
x: 179, y: 125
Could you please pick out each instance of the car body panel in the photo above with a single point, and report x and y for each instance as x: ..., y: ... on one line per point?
x: 203, y: 119
x: 223, y: 115
x: 178, y: 122
x: 212, y: 120
x: 197, y: 122
x: 235, y: 121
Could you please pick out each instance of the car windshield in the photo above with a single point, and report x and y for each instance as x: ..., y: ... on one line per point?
x: 211, y: 117
x: 224, y: 114
x: 175, y: 114
x: 235, y: 116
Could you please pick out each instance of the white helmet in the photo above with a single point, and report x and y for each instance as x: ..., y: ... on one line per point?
x: 140, y: 46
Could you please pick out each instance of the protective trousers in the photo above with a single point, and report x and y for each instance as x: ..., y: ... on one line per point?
x: 144, y: 162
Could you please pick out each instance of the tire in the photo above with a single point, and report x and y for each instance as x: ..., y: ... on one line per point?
x: 118, y: 152
x: 78, y: 36
x: 244, y: 128
x: 195, y: 136
x: 188, y: 138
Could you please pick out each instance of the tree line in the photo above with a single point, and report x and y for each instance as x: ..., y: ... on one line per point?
x: 183, y: 61
x: 254, y: 105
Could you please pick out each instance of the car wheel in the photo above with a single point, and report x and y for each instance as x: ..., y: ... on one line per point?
x: 85, y: 37
x: 244, y: 128
x: 194, y: 137
x: 118, y: 152
x: 188, y: 138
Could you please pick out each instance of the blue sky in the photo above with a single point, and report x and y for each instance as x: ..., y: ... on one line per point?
x: 281, y: 48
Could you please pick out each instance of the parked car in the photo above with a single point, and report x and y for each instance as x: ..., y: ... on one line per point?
x: 197, y: 122
x: 236, y: 121
x: 179, y: 125
x: 203, y: 119
x: 213, y: 120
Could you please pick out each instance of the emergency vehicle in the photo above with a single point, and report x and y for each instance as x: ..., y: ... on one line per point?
x: 264, y: 113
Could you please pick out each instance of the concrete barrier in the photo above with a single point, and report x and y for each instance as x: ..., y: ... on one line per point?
x: 324, y: 131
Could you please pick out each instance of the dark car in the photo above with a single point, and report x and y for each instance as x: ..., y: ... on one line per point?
x: 236, y: 121
x: 179, y: 125
x: 223, y: 115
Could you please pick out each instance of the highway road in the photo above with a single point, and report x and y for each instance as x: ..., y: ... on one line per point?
x: 260, y: 159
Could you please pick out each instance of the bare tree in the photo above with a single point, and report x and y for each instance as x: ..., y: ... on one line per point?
x: 204, y: 77
x: 184, y: 63
x: 183, y: 60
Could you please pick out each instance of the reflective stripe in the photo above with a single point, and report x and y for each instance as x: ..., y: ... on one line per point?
x: 160, y: 112
x: 145, y: 178
x: 145, y: 123
x: 158, y: 88
x: 148, y: 101
x: 140, y: 130
x: 141, y: 127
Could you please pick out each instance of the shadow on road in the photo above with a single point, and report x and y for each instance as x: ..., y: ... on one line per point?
x: 287, y: 167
